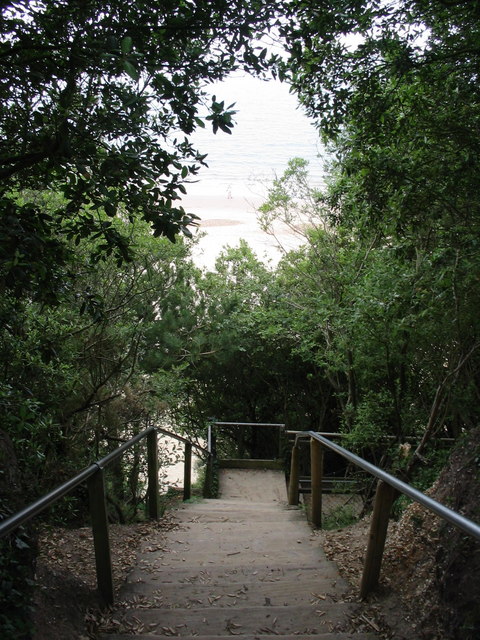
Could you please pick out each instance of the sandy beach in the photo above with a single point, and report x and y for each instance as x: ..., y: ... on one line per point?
x: 224, y: 220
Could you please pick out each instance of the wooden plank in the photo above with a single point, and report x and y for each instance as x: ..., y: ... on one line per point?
x: 152, y: 491
x: 250, y: 463
x: 187, y: 472
x: 101, y: 541
x: 293, y: 485
x: 208, y: 488
x: 384, y: 497
x: 330, y: 485
x: 316, y: 463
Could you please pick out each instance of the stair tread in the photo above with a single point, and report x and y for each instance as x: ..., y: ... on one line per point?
x: 235, y: 567
x: 238, y: 511
x: 214, y: 574
x: 281, y: 592
x: 337, y: 635
x: 215, y: 621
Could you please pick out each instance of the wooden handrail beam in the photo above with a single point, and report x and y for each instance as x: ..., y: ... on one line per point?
x: 384, y: 498
x: 187, y: 472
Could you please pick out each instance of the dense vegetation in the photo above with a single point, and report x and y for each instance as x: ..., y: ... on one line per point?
x: 370, y: 328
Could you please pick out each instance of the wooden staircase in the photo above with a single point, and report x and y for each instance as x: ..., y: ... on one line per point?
x: 243, y: 565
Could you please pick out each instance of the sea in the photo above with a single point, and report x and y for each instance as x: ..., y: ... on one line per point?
x: 270, y: 129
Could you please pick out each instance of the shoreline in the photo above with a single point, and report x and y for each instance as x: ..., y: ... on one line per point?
x: 225, y: 220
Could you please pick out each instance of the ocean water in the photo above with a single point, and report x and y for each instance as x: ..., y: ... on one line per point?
x: 270, y: 129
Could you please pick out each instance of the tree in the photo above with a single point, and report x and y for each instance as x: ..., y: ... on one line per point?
x: 71, y: 386
x: 386, y: 320
x: 394, y: 89
x: 343, y: 54
x: 98, y: 100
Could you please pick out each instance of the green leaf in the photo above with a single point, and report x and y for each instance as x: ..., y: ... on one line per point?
x: 126, y: 45
x: 130, y: 70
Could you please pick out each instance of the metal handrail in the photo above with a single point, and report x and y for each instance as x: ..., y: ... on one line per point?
x: 250, y: 424
x: 335, y: 434
x: 182, y: 439
x: 387, y: 491
x: 33, y: 509
x: 439, y: 509
x: 216, y: 423
x: 94, y: 476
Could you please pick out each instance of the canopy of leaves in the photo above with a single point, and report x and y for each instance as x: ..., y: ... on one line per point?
x: 97, y: 102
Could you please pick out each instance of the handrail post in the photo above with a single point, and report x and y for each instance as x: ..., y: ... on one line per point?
x: 152, y: 491
x: 294, y: 476
x: 384, y: 497
x: 208, y: 488
x: 316, y: 465
x: 208, y: 485
x: 101, y: 541
x: 209, y: 437
x: 187, y: 472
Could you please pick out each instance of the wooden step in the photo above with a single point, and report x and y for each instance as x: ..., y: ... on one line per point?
x: 279, y: 592
x: 317, y: 618
x: 232, y: 567
x: 250, y: 463
x: 237, y: 511
x: 218, y: 574
x: 338, y: 635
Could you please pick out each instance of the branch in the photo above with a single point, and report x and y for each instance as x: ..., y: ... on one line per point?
x: 440, y: 396
x: 22, y: 162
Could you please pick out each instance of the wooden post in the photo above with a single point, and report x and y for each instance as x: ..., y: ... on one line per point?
x: 240, y: 435
x: 294, y: 476
x: 316, y: 466
x: 208, y: 484
x: 98, y: 514
x: 213, y: 443
x: 152, y: 491
x: 187, y: 472
x: 384, y: 497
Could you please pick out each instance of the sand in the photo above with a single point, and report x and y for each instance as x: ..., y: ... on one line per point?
x: 224, y: 220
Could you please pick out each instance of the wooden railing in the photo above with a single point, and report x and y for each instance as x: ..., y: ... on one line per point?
x: 94, y: 476
x: 388, y: 488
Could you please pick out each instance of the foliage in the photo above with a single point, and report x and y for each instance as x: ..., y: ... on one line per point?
x: 393, y: 89
x: 389, y: 325
x: 214, y: 341
x: 338, y: 517
x: 371, y: 327
x: 16, y: 585
x: 98, y: 102
x: 17, y: 552
x: 71, y: 385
